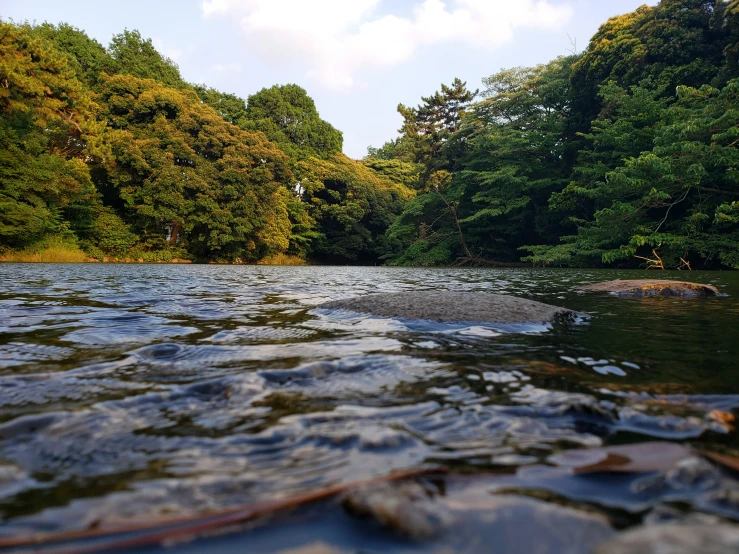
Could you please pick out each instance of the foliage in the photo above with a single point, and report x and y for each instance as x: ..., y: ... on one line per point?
x: 352, y: 206
x: 289, y: 118
x: 397, y: 171
x: 513, y: 157
x: 229, y: 106
x: 282, y: 259
x: 187, y: 176
x: 110, y: 235
x: 137, y: 56
x: 428, y: 128
x: 47, y: 133
x: 52, y: 249
x: 677, y: 42
x: 86, y: 56
x: 625, y: 154
x: 674, y: 200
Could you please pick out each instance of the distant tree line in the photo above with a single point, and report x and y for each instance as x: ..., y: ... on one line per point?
x: 111, y: 150
x: 625, y: 154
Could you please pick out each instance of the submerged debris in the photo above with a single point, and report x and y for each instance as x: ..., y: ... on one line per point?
x: 632, y: 458
x: 457, y: 514
x: 454, y: 306
x: 675, y: 539
x: 653, y: 287
x: 407, y: 508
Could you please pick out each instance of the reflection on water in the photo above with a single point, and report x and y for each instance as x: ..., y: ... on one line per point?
x: 127, y: 391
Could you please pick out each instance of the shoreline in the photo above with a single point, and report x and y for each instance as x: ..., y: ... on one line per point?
x: 500, y: 265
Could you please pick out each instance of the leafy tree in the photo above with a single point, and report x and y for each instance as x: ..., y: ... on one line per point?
x: 397, y: 171
x: 88, y: 57
x: 352, y: 205
x: 108, y: 234
x: 134, y: 55
x: 289, y: 118
x: 627, y: 127
x: 727, y: 16
x: 514, y: 158
x: 677, y: 42
x: 188, y: 178
x: 47, y: 133
x: 229, y: 106
x: 675, y: 202
x: 428, y: 128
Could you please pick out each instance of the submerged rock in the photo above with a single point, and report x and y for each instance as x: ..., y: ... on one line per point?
x: 466, y: 517
x: 407, y: 508
x: 653, y: 287
x: 454, y: 306
x: 675, y: 539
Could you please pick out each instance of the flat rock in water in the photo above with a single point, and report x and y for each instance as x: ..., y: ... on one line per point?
x: 469, y: 518
x: 653, y: 287
x: 675, y: 539
x: 453, y: 306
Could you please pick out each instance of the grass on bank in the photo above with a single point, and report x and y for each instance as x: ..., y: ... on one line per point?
x: 51, y: 250
x: 61, y: 249
x: 282, y: 259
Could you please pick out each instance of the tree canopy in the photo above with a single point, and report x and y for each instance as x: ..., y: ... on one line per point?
x: 111, y: 149
x: 625, y: 154
x: 289, y: 118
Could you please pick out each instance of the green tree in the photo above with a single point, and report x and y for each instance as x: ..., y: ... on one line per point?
x: 289, y: 118
x: 47, y: 134
x: 514, y: 154
x: 397, y: 171
x: 229, y: 106
x: 352, y: 205
x: 137, y: 56
x: 677, y: 42
x: 428, y: 128
x: 188, y: 179
x: 674, y: 203
x: 88, y: 57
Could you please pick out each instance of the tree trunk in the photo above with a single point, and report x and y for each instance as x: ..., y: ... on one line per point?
x: 175, y: 233
x: 453, y: 211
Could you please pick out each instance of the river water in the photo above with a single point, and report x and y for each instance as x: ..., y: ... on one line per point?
x: 135, y: 390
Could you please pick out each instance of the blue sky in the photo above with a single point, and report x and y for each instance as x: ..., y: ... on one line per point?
x: 357, y: 58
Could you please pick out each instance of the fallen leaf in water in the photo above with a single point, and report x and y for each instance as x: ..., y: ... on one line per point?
x: 726, y: 419
x: 171, y: 530
x: 730, y: 462
x: 633, y: 458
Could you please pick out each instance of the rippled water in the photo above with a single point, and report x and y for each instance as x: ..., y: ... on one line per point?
x: 127, y: 391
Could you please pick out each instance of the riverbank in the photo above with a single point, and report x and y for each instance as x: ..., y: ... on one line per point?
x: 54, y: 254
x: 65, y: 254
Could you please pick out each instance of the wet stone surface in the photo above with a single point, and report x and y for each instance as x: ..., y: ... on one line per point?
x: 132, y: 392
x: 653, y: 287
x: 454, y: 306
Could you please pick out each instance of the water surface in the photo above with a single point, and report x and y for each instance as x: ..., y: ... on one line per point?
x: 135, y: 390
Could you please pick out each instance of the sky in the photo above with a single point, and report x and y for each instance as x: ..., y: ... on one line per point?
x: 356, y: 58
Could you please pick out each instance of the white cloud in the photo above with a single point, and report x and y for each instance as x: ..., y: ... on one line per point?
x: 337, y: 38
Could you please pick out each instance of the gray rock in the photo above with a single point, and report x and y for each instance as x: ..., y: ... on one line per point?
x: 454, y: 306
x: 468, y: 518
x: 407, y: 508
x: 675, y: 539
x: 653, y: 287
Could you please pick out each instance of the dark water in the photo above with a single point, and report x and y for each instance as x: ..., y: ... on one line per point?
x: 128, y: 391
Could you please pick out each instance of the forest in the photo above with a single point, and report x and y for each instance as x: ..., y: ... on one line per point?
x: 623, y: 155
